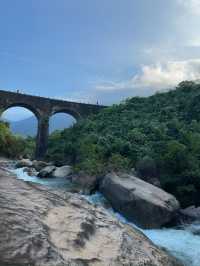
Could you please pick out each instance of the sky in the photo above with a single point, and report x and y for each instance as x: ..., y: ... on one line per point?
x: 98, y: 49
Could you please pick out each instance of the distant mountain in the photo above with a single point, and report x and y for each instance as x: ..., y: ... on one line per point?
x: 28, y: 126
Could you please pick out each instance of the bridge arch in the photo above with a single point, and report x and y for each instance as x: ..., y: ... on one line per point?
x: 44, y: 108
x: 61, y: 121
x: 68, y: 111
x: 23, y: 105
x: 40, y: 146
x: 22, y: 113
x: 13, y: 114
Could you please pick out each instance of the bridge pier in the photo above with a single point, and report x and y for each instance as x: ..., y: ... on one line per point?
x: 42, y: 137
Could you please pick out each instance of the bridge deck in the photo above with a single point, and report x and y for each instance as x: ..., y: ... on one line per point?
x: 56, y: 100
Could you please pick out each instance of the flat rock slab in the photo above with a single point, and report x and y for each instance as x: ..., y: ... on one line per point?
x: 40, y: 227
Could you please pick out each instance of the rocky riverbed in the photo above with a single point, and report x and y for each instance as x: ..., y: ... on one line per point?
x: 40, y: 226
x: 145, y: 204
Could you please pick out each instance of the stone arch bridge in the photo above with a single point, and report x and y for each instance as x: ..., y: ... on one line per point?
x: 44, y: 108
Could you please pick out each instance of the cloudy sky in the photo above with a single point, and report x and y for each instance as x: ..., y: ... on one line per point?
x: 103, y: 50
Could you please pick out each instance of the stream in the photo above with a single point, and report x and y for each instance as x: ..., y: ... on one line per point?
x: 182, y: 242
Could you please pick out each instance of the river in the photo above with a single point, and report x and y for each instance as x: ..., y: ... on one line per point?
x: 182, y: 242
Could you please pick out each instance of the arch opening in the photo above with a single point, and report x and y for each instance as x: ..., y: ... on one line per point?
x: 69, y: 111
x: 23, y: 123
x: 60, y: 121
x: 23, y: 106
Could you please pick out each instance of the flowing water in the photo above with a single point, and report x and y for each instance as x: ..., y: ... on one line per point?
x: 183, y: 242
x: 61, y: 183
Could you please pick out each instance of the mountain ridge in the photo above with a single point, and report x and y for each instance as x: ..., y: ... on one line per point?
x: 28, y: 126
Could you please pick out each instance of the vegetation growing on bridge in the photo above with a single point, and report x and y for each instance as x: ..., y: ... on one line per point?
x: 158, y: 136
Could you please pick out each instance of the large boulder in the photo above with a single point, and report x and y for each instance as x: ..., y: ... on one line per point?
x: 140, y: 202
x: 40, y: 227
x: 24, y: 163
x: 62, y: 171
x: 47, y: 171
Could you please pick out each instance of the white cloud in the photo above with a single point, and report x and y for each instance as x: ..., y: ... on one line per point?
x: 168, y: 74
x: 194, y: 42
x: 191, y: 5
x: 158, y: 76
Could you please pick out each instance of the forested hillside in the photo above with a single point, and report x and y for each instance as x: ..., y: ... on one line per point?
x: 14, y: 146
x: 158, y: 136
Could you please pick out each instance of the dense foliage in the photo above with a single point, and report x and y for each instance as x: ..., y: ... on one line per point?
x: 159, y: 136
x: 14, y: 146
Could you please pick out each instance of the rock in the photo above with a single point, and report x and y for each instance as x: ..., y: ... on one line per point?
x: 38, y: 165
x: 40, y: 227
x: 24, y: 163
x: 191, y: 213
x: 140, y: 202
x: 62, y: 171
x: 84, y: 184
x: 47, y: 171
x: 30, y: 171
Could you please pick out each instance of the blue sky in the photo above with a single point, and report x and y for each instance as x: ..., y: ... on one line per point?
x: 103, y: 50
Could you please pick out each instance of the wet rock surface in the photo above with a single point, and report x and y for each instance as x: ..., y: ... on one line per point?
x: 47, y: 171
x: 30, y: 171
x: 40, y: 227
x: 84, y: 184
x: 191, y: 213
